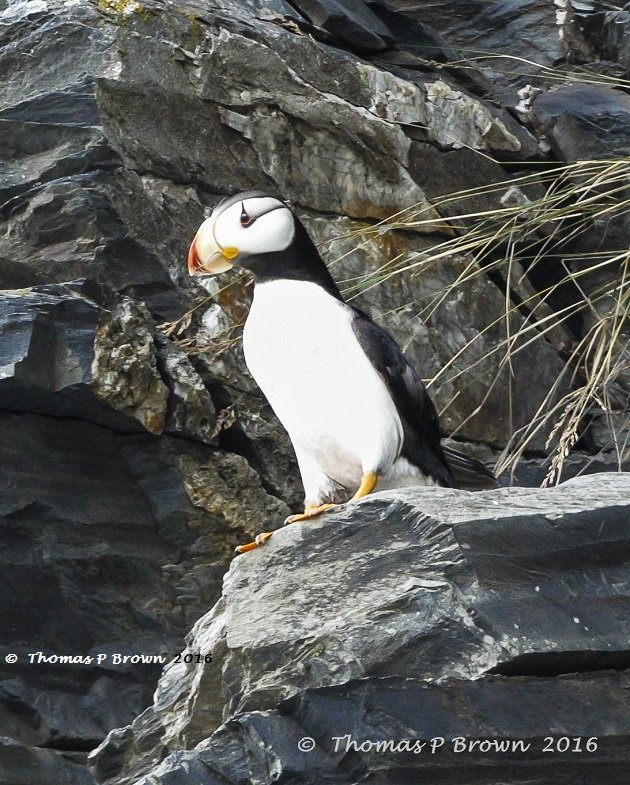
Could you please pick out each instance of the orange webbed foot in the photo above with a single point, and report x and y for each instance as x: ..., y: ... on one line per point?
x: 368, y: 483
x: 310, y: 511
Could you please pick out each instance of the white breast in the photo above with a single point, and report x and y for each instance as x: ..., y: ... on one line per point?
x: 301, y: 348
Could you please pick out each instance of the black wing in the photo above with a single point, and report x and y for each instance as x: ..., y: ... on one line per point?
x: 421, y: 430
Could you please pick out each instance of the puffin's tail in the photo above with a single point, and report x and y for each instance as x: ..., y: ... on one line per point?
x: 469, y: 473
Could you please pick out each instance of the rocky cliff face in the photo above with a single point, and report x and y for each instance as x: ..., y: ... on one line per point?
x: 135, y: 450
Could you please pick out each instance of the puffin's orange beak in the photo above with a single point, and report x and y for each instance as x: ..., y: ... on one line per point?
x: 205, y: 256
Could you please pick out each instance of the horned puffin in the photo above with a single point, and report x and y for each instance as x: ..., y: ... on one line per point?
x: 356, y: 411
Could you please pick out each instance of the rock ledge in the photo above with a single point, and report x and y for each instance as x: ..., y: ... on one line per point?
x: 413, y: 614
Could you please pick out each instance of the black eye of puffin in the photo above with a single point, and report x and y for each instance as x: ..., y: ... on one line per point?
x: 246, y: 219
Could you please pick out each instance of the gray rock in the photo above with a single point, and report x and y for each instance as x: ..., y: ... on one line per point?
x: 585, y: 121
x: 23, y: 764
x: 116, y: 229
x: 350, y: 21
x: 64, y: 355
x: 506, y: 38
x: 534, y: 472
x: 256, y: 434
x: 111, y: 543
x: 412, y: 35
x: 394, y: 730
x: 191, y: 412
x: 616, y: 47
x: 606, y: 29
x: 439, y: 587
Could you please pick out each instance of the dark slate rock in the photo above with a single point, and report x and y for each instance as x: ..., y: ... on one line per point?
x: 42, y: 143
x: 494, y: 565
x: 64, y: 355
x: 80, y: 350
x: 190, y: 410
x: 75, y: 106
x: 585, y: 121
x: 468, y: 730
x: 420, y: 46
x: 98, y: 225
x: 350, y: 21
x: 411, y: 35
x: 21, y: 764
x: 607, y: 29
x: 49, y: 124
x: 110, y: 544
x: 81, y: 548
x: 437, y: 587
x: 616, y: 34
x: 531, y: 472
x: 70, y: 210
x: 521, y: 28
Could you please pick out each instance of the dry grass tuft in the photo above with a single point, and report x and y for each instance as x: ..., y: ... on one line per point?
x: 536, y: 233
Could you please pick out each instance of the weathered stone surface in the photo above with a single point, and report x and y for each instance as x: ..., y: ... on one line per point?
x: 413, y: 36
x: 23, y: 764
x: 430, y: 729
x: 538, y: 32
x: 191, y: 411
x: 606, y: 30
x: 585, y: 121
x: 350, y: 21
x: 64, y: 355
x: 616, y: 38
x: 117, y: 229
x: 110, y: 543
x: 437, y: 586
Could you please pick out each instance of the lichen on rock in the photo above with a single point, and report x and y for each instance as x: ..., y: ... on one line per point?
x: 125, y: 369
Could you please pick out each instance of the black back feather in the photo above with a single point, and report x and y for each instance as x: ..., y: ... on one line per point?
x: 421, y: 430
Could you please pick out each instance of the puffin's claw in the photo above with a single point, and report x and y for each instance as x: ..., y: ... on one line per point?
x: 259, y: 540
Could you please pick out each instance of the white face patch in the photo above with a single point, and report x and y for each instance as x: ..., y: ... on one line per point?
x: 271, y: 226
